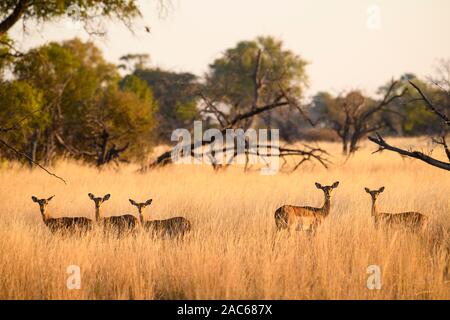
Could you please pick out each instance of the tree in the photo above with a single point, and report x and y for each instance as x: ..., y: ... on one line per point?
x: 12, y: 11
x: 19, y: 101
x: 439, y: 113
x: 89, y: 115
x: 177, y: 95
x: 132, y: 62
x: 415, y: 118
x: 88, y: 12
x: 255, y: 73
x: 353, y: 116
x: 252, y: 79
x: 7, y: 53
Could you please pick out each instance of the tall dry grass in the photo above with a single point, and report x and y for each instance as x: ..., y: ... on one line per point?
x: 233, y: 251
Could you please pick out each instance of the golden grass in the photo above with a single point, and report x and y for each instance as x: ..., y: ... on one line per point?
x: 234, y: 251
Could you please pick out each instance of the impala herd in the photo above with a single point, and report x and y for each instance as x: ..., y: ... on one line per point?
x: 292, y: 218
x: 115, y: 224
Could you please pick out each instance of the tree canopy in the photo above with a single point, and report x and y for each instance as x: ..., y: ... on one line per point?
x: 89, y: 12
x: 254, y: 73
x: 177, y: 94
x: 65, y: 99
x: 77, y: 104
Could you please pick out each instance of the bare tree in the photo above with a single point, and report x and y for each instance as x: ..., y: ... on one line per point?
x: 306, y: 154
x: 355, y: 116
x: 383, y: 145
x: 281, y: 97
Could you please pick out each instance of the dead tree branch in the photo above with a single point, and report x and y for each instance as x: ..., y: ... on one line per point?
x: 15, y: 126
x: 21, y: 154
x: 165, y: 158
x: 383, y: 145
x: 444, y: 144
x: 430, y: 105
x: 280, y: 97
x: 308, y: 153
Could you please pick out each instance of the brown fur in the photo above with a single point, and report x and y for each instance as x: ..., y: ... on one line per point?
x: 411, y: 220
x: 116, y: 224
x: 66, y: 225
x: 177, y: 226
x: 305, y: 218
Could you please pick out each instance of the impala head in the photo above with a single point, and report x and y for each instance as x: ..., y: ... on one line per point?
x: 140, y: 205
x: 98, y: 200
x: 327, y: 190
x: 374, y: 193
x: 43, y: 203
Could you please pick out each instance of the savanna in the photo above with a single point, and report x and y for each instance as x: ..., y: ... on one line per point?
x: 234, y: 250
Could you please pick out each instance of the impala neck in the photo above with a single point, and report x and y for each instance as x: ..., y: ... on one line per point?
x: 326, y: 206
x: 141, y: 216
x: 374, y: 208
x: 44, y: 214
x: 97, y: 213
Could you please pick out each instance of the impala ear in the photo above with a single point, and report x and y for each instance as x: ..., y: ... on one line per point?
x: 148, y: 202
x: 381, y: 189
x: 91, y: 196
x: 50, y: 198
x: 106, y: 197
x: 335, y: 185
x: 318, y: 185
x: 132, y: 202
x: 367, y: 190
x: 34, y: 199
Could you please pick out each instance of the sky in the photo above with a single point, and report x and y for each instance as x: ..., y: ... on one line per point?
x: 349, y: 44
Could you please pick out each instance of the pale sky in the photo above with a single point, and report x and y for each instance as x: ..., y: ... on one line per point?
x: 347, y: 44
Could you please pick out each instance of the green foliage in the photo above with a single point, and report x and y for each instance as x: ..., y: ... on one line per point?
x: 186, y: 111
x: 19, y: 100
x: 130, y: 118
x: 82, y: 99
x: 416, y: 118
x: 64, y: 98
x: 7, y: 53
x: 177, y: 96
x: 141, y: 89
x: 231, y: 78
x: 133, y: 62
x: 77, y: 10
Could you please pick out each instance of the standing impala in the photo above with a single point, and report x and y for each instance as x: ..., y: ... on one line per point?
x: 177, y: 226
x: 64, y: 224
x: 305, y: 218
x: 120, y: 224
x: 413, y: 220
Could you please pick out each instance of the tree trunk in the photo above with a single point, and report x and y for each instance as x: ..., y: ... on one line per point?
x: 344, y: 144
x: 15, y: 16
x: 354, y: 142
x: 33, y: 148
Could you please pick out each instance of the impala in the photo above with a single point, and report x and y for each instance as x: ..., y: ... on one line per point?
x: 305, y: 218
x: 64, y: 224
x: 121, y: 224
x: 413, y: 220
x: 177, y: 226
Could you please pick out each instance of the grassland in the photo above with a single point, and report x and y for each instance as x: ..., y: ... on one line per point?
x: 234, y: 251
